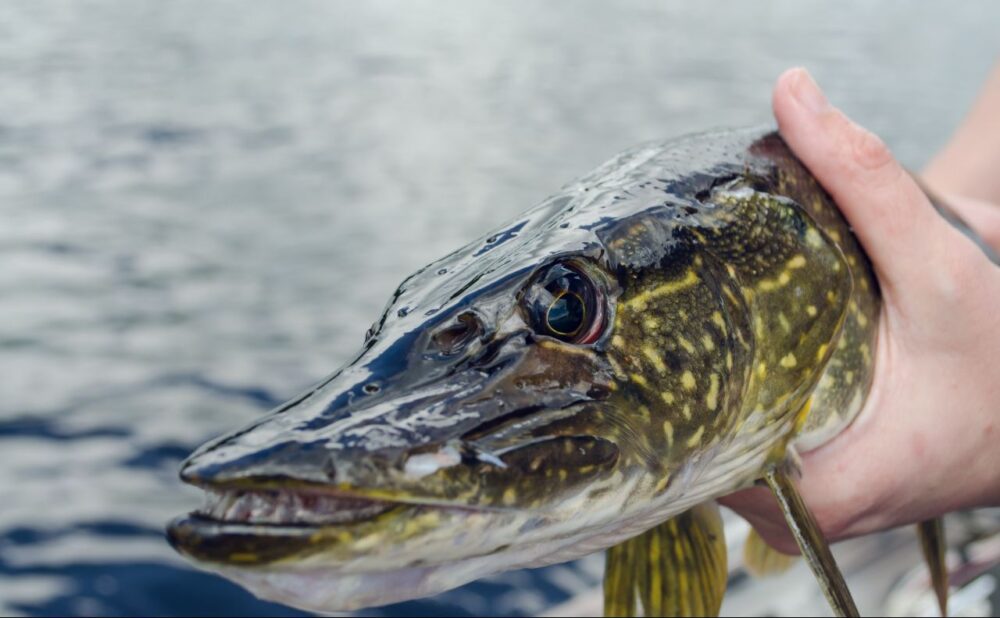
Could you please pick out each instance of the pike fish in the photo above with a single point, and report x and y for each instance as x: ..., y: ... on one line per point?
x: 666, y: 330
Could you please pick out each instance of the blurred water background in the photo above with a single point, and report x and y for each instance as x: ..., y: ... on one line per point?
x: 203, y: 205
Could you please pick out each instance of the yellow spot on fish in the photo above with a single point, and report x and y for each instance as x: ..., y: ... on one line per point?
x: 618, y: 341
x: 821, y: 351
x: 563, y: 474
x: 718, y: 321
x: 686, y: 411
x: 617, y: 368
x: 509, y: 496
x: 651, y: 324
x: 687, y: 345
x: 811, y: 310
x: 707, y: 342
x: 813, y: 239
x: 729, y: 359
x: 785, y: 325
x: 639, y: 379
x: 849, y: 377
x: 654, y: 359
x: 643, y: 412
x: 784, y: 278
x: 831, y: 296
x: 762, y: 370
x: 562, y: 347
x: 668, y: 430
x: 862, y: 320
x: 797, y: 262
x: 712, y: 398
x: 788, y: 361
x: 687, y: 380
x: 668, y: 397
x: 662, y: 484
x: 640, y: 301
x: 696, y: 437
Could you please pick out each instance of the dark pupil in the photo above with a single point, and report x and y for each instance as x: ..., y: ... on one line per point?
x: 566, y: 313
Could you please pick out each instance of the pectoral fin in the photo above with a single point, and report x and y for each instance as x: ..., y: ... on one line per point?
x: 761, y: 560
x: 932, y: 542
x: 677, y: 568
x: 811, y: 542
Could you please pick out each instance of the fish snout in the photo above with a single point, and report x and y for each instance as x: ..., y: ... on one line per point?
x: 230, y: 464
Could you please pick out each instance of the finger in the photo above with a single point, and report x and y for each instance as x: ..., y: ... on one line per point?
x: 891, y: 216
x: 982, y: 217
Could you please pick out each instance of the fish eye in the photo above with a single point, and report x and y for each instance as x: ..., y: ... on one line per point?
x: 564, y: 303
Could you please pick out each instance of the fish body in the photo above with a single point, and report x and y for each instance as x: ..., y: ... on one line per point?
x: 657, y: 334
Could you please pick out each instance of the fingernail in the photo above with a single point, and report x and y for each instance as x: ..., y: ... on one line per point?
x: 808, y: 93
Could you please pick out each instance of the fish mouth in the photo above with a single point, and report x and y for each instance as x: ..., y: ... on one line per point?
x: 288, y: 508
x: 263, y: 526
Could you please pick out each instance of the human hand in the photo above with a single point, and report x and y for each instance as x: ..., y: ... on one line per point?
x: 925, y: 442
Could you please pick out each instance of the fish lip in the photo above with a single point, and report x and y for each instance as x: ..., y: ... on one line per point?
x: 218, y: 543
x: 209, y: 539
x: 227, y: 543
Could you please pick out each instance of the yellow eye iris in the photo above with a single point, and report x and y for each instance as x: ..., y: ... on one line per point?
x: 566, y: 314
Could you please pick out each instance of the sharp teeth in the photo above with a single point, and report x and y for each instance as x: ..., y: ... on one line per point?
x: 288, y: 508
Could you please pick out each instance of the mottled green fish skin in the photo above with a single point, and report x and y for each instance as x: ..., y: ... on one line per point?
x: 768, y: 303
x: 739, y: 317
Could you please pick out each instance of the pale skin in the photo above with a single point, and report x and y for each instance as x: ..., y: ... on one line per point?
x: 925, y: 443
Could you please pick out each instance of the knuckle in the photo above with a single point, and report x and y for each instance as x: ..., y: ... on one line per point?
x: 868, y: 151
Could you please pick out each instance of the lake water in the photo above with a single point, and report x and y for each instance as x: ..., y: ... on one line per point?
x: 203, y: 206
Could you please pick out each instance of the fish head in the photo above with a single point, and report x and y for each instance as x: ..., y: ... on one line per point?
x: 521, y: 401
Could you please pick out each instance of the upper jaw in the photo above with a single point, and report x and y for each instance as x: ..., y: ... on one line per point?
x: 288, y: 507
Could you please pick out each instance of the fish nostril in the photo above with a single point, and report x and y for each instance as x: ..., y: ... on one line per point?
x: 372, y: 388
x: 454, y: 338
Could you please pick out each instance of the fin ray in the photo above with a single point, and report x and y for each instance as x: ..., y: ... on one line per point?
x: 932, y: 542
x: 810, y: 540
x: 678, y: 568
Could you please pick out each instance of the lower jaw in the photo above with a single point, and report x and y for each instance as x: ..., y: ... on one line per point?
x: 245, y: 544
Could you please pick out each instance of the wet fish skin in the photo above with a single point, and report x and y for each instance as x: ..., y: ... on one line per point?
x: 733, y: 298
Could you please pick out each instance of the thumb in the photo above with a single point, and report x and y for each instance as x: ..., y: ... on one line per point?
x: 893, y: 219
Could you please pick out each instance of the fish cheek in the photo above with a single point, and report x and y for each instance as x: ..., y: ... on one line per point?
x: 539, y: 474
x: 673, y: 352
